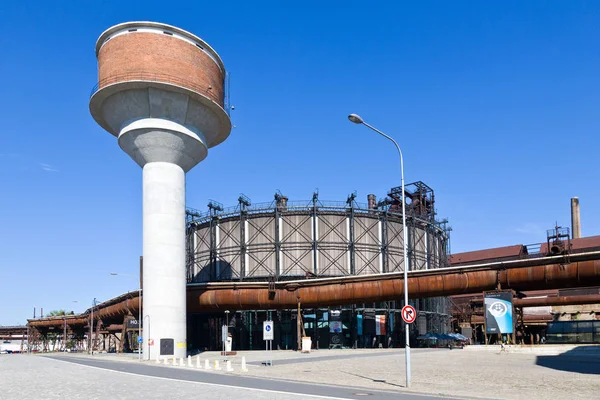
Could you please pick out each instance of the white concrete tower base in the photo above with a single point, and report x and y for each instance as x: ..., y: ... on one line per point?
x: 164, y: 257
x: 165, y: 150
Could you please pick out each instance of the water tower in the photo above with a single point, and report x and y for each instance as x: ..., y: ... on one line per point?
x: 161, y: 92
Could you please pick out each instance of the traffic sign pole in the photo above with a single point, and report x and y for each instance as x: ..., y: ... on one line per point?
x: 409, y: 314
x: 268, y: 335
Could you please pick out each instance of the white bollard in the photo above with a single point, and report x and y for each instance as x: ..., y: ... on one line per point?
x: 165, y: 361
x: 174, y: 361
x: 158, y: 359
x: 198, y: 362
x: 229, y: 369
x: 189, y: 361
x: 181, y: 364
x: 244, y: 369
x: 217, y: 368
x: 206, y: 364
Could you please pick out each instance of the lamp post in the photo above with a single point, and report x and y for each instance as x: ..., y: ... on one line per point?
x: 226, y: 336
x: 91, y: 349
x: 139, y: 310
x: 65, y: 331
x: 147, y: 333
x: 358, y: 120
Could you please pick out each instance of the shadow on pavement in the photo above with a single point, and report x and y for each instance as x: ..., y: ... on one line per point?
x: 583, y: 360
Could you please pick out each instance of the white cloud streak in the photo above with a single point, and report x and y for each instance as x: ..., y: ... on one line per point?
x: 48, y: 167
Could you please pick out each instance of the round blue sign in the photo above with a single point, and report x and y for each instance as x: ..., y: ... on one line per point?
x: 267, y: 328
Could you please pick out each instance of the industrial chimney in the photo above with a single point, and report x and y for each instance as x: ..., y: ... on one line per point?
x: 160, y: 91
x: 372, y: 201
x: 575, y: 218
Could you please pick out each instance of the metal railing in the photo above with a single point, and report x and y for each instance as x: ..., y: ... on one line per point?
x: 163, y: 78
x: 200, y: 217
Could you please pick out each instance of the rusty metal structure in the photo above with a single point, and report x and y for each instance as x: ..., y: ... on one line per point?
x: 286, y: 240
x: 533, y: 308
x: 534, y: 274
x: 110, y: 330
x: 538, y: 273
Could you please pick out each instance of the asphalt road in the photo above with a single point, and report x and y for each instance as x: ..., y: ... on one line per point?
x: 262, y: 388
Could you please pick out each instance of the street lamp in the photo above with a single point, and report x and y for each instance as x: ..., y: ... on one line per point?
x: 139, y: 310
x: 358, y: 120
x: 226, y: 336
x: 65, y: 327
x: 91, y: 347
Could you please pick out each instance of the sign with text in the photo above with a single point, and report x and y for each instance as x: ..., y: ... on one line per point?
x: 268, y: 331
x: 132, y: 324
x: 498, y: 312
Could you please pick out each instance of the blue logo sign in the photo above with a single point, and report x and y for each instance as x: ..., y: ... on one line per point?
x: 268, y: 328
x: 140, y: 339
x: 498, y: 312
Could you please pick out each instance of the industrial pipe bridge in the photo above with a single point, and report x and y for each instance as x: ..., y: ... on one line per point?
x: 552, y: 272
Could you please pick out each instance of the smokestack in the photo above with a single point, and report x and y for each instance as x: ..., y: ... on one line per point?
x: 282, y: 203
x: 575, y: 218
x: 33, y: 312
x: 372, y: 201
x: 42, y: 312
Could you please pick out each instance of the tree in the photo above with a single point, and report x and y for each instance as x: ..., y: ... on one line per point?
x: 56, y: 313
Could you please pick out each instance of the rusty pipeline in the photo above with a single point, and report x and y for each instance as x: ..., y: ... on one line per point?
x: 118, y: 310
x: 421, y: 284
x: 558, y: 301
x: 58, y: 321
x: 533, y: 274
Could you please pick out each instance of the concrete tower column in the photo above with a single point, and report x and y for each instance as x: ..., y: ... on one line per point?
x: 161, y: 92
x: 164, y: 250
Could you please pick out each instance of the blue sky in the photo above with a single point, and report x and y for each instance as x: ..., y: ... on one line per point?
x: 495, y: 105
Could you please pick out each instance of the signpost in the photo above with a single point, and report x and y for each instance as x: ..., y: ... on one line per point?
x: 409, y: 314
x: 268, y: 335
x: 224, y: 332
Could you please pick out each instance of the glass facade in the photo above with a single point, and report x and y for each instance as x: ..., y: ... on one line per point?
x: 573, y: 332
x: 371, y: 325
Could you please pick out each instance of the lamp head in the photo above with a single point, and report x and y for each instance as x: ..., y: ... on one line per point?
x: 355, y: 118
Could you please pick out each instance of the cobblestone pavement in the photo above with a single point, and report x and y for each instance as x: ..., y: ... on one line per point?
x: 456, y: 373
x: 26, y: 377
x: 462, y: 373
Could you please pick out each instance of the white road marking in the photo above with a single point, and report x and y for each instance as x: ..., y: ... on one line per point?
x: 206, y: 383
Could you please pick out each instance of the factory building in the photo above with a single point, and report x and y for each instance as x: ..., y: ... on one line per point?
x: 289, y: 240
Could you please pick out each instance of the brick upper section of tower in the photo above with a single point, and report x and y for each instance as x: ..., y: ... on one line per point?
x: 150, y: 56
